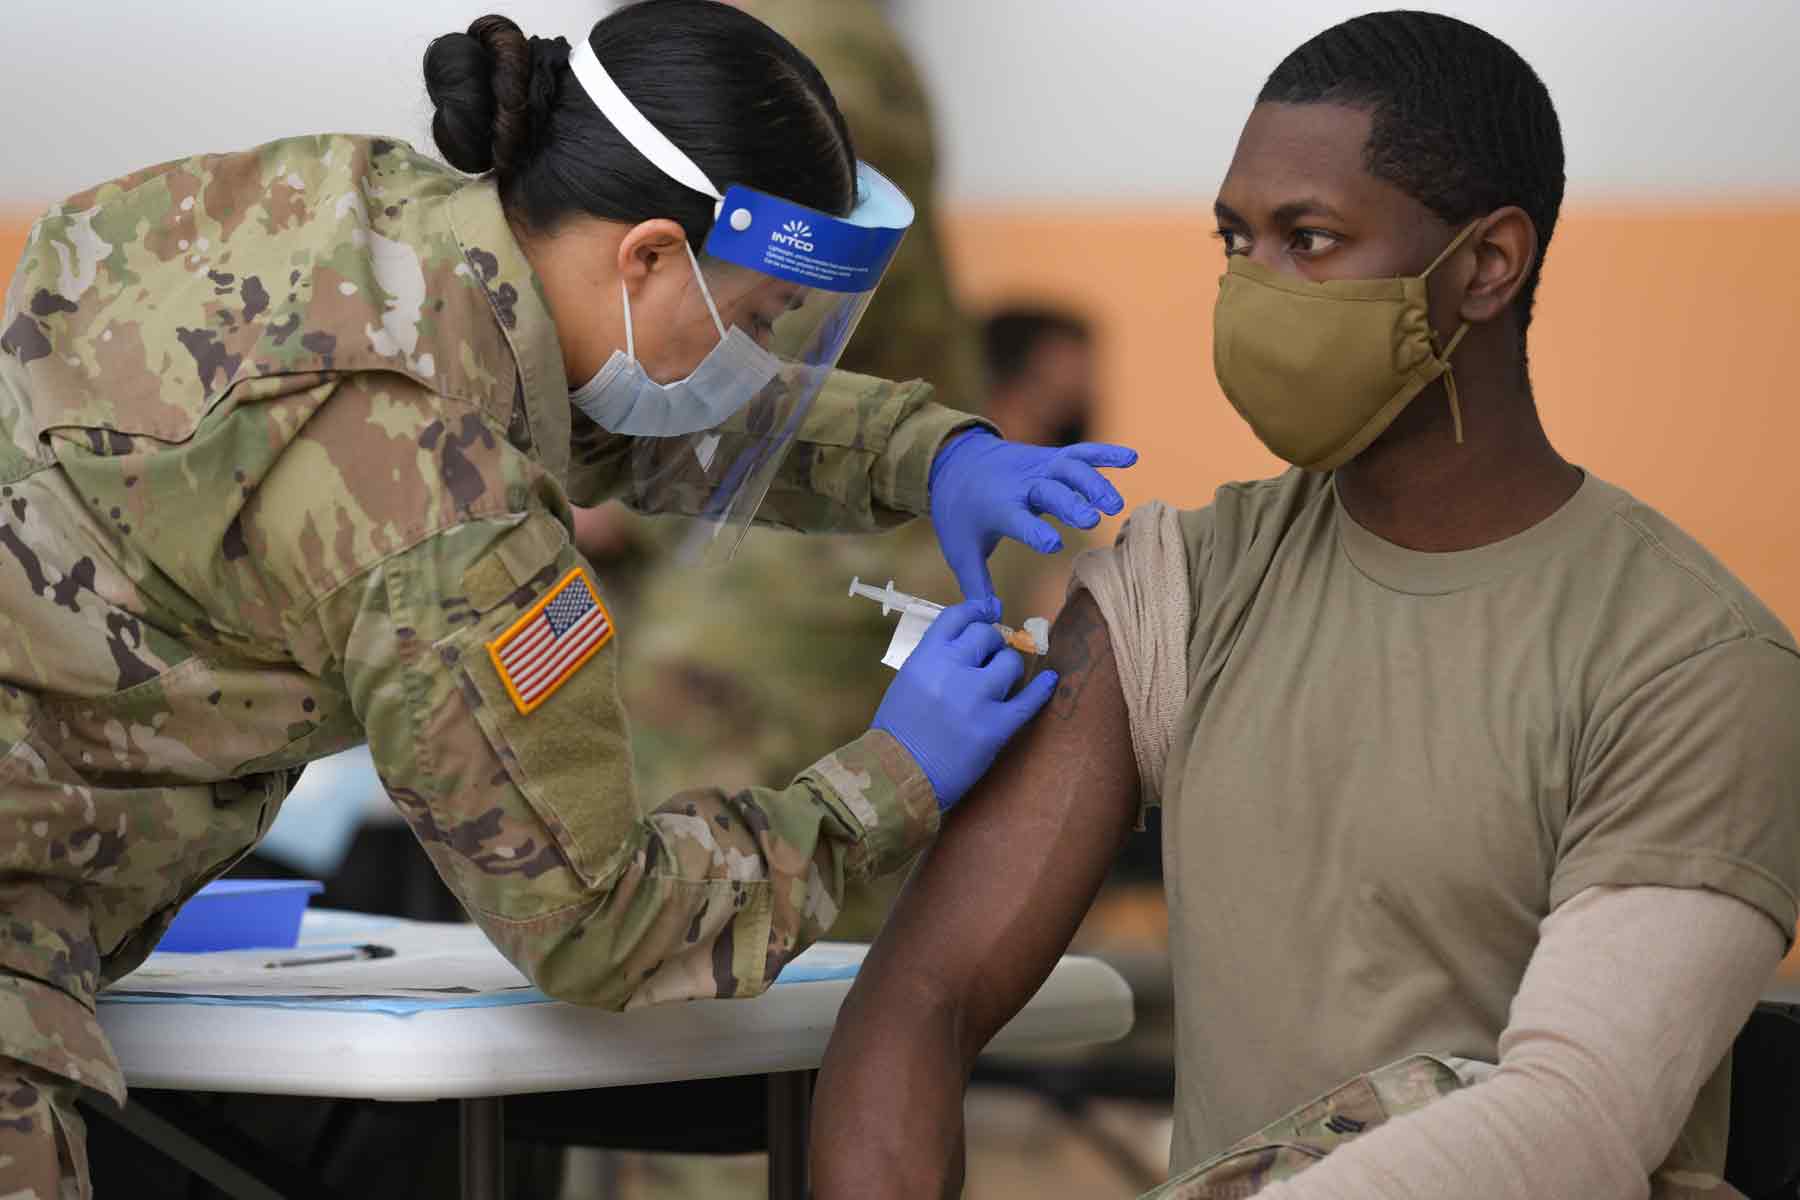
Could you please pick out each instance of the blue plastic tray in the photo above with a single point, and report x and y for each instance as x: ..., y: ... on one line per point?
x: 241, y: 914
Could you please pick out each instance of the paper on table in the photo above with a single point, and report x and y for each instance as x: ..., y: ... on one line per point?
x: 244, y: 973
x: 433, y: 965
x: 387, y: 1006
x: 241, y: 974
x: 429, y: 960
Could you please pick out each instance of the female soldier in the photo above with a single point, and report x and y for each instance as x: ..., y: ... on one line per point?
x: 287, y: 450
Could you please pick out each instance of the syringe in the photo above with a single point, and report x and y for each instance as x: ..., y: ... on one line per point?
x: 916, y: 616
x: 891, y: 600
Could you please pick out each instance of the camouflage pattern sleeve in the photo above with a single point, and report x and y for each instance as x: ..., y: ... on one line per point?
x: 529, y: 814
x: 861, y: 461
x: 864, y: 457
x: 1290, y: 1144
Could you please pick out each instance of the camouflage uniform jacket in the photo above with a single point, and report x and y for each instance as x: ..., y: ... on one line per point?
x: 285, y: 442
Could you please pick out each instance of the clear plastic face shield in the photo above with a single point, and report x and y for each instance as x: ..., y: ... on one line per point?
x: 784, y: 287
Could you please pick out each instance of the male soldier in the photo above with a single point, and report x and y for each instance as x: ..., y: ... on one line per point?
x: 1481, y: 778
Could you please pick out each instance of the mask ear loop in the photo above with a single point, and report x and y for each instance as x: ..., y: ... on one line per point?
x: 705, y: 292
x: 1447, y: 251
x: 1450, y: 371
x: 711, y: 308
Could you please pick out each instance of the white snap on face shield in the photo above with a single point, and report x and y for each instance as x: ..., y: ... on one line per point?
x: 784, y: 287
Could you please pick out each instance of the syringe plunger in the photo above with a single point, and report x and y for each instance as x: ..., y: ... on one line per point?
x: 890, y: 599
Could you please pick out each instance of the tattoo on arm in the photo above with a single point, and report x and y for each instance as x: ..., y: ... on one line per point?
x: 1078, y: 644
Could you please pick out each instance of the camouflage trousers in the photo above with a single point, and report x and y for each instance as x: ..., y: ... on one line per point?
x: 79, y: 904
x: 1286, y: 1147
x: 51, y: 1047
x: 43, y: 1150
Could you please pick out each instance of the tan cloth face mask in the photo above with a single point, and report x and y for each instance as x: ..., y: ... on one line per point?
x: 1320, y: 369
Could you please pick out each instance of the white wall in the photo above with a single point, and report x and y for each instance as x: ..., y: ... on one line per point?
x: 1038, y: 100
x: 91, y: 89
x: 1145, y: 98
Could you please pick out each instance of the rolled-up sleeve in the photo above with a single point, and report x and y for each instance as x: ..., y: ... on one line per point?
x: 1693, y: 780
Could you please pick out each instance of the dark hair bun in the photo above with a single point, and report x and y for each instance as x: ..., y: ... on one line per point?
x: 730, y: 91
x: 480, y: 82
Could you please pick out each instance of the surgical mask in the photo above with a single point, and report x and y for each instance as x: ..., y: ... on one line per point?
x: 1319, y: 370
x: 622, y: 398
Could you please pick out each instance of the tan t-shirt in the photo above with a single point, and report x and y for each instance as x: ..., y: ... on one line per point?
x: 1390, y: 766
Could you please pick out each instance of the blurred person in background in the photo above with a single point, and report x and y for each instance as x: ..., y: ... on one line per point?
x: 1482, y: 778
x: 1042, y: 368
x: 290, y: 438
x: 1041, y: 374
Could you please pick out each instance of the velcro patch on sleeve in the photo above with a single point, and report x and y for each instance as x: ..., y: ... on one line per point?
x: 540, y: 650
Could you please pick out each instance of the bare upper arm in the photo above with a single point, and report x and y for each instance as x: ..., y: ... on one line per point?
x: 996, y: 900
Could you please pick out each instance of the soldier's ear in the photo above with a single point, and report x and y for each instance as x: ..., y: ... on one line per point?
x: 649, y: 246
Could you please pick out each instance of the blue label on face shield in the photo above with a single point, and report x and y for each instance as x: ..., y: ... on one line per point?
x: 804, y: 246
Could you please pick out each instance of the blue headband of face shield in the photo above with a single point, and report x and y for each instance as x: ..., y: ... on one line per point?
x: 802, y: 245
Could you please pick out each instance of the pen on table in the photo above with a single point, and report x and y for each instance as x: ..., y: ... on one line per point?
x: 367, y: 950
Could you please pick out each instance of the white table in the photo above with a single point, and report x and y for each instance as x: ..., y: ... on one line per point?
x: 502, y: 1038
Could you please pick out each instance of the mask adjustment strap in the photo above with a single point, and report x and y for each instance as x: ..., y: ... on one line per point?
x: 1449, y: 371
x: 1450, y: 382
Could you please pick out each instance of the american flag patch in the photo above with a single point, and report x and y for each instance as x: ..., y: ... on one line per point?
x: 546, y: 645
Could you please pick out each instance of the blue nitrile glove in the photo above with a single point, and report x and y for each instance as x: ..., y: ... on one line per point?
x: 984, y: 488
x: 948, y: 705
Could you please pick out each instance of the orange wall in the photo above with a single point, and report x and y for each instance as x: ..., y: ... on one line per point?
x: 1660, y: 356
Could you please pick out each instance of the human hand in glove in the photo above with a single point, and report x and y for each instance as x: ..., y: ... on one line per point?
x: 949, y: 706
x: 984, y: 488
